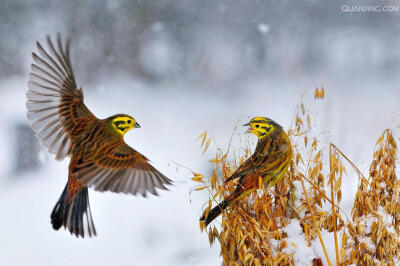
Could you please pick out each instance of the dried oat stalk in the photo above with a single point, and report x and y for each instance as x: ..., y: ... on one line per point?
x: 273, y: 227
x: 376, y: 209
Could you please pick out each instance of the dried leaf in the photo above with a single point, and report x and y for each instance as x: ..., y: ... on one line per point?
x: 197, y: 177
x: 214, y: 179
x: 207, y: 144
x: 200, y: 188
x: 319, y: 94
x: 314, y: 144
x: 317, y: 157
x: 203, y: 137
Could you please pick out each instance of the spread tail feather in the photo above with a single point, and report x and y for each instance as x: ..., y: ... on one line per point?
x: 74, y: 214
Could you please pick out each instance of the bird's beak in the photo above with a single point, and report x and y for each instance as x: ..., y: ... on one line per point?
x: 136, y: 125
x: 249, y: 129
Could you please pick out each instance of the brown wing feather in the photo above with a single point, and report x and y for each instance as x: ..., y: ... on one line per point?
x: 251, y: 163
x: 122, y: 170
x: 55, y: 103
x: 264, y: 157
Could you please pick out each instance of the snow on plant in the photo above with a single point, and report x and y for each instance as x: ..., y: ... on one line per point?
x: 299, y: 221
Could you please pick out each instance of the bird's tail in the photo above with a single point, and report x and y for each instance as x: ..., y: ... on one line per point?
x: 74, y: 214
x: 217, y: 210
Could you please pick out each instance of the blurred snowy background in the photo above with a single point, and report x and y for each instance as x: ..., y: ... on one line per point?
x: 180, y: 67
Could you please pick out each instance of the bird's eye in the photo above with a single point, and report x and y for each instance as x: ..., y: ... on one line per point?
x: 257, y: 126
x: 129, y: 121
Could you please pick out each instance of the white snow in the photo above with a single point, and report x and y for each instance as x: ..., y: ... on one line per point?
x: 302, y: 254
x: 263, y: 28
x: 165, y: 230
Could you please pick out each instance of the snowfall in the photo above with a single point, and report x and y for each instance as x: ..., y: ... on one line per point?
x: 164, y: 230
x: 361, y: 101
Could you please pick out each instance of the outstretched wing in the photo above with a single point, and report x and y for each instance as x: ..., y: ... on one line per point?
x: 55, y: 103
x: 121, y: 170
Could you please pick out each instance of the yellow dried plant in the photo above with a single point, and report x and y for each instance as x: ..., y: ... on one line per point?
x: 299, y: 221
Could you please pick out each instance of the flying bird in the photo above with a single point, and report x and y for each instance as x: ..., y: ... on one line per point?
x: 270, y: 161
x: 100, y: 158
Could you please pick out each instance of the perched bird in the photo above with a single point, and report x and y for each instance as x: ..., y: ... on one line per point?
x: 270, y: 160
x: 100, y: 158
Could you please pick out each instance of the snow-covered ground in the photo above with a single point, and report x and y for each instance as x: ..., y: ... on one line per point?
x: 164, y: 230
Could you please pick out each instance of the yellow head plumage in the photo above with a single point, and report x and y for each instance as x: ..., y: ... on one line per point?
x: 262, y: 126
x: 122, y: 123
